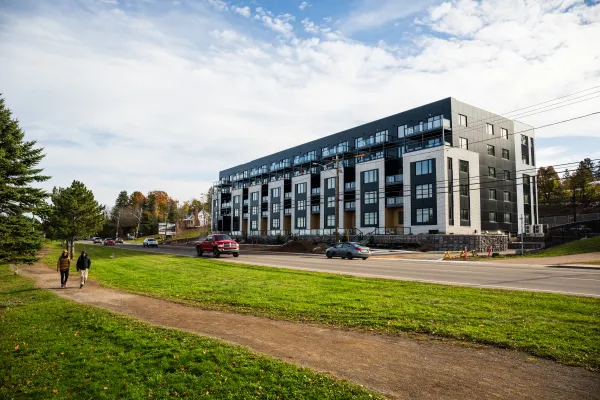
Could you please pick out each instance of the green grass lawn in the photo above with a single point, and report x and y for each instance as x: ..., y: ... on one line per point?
x: 559, y: 327
x: 53, y: 348
x: 590, y: 245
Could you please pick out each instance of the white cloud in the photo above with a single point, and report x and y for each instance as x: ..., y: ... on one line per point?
x: 128, y: 101
x: 244, y: 11
x: 220, y: 4
x: 303, y: 5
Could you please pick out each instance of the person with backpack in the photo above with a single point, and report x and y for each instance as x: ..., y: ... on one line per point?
x: 63, y: 265
x: 83, y: 265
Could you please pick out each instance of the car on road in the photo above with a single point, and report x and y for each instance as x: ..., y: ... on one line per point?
x: 150, y: 242
x: 217, y: 244
x: 97, y: 240
x: 109, y: 242
x: 118, y: 241
x: 348, y: 250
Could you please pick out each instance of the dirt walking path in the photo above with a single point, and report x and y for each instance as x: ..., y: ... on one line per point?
x: 405, y: 367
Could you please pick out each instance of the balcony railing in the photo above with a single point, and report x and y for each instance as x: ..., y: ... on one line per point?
x: 306, y: 159
x: 287, y: 195
x: 350, y: 205
x: 315, y: 209
x: 265, y: 214
x: 425, y: 127
x: 245, y: 215
x: 226, y: 205
x: 394, y: 201
x: 315, y: 191
x: 245, y: 202
x: 226, y: 190
x: 287, y: 211
x: 360, y: 143
x: 370, y: 157
x: 280, y: 165
x: 265, y: 199
x: 393, y: 179
x: 350, y: 186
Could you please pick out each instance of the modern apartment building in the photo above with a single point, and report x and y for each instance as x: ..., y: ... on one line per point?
x: 445, y: 167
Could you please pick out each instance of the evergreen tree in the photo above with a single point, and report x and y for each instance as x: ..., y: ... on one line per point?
x: 20, y: 237
x: 75, y: 213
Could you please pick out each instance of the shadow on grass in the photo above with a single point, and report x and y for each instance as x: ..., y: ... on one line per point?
x: 21, y: 291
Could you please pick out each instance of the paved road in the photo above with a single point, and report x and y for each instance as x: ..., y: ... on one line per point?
x: 572, y: 281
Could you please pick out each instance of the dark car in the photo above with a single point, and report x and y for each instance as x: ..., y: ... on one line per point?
x: 109, y: 242
x: 348, y: 250
x: 118, y: 241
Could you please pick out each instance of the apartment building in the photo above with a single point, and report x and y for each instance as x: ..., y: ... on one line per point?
x: 444, y: 167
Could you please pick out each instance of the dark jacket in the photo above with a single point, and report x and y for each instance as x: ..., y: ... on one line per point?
x: 64, y: 263
x: 83, y: 262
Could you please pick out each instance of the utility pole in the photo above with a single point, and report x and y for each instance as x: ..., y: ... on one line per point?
x: 337, y: 197
x: 522, y: 232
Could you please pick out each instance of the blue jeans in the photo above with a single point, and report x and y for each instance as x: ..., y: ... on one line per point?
x: 64, y: 276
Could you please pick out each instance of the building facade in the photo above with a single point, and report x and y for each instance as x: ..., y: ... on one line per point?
x: 445, y: 167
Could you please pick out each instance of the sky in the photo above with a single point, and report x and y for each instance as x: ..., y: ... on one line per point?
x: 162, y: 95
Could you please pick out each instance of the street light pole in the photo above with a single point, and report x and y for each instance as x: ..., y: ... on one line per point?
x: 337, y: 197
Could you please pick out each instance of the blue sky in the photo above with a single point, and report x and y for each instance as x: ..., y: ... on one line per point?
x: 150, y: 94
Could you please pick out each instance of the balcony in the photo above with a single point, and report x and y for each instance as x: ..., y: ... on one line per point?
x: 394, y: 202
x: 226, y: 205
x: 245, y: 215
x: 379, y: 138
x: 307, y: 158
x: 258, y: 171
x: 350, y: 186
x: 350, y: 206
x: 425, y: 127
x: 245, y: 202
x: 226, y: 190
x: 280, y: 165
x: 332, y: 151
x: 370, y: 157
x: 265, y: 199
x: 287, y: 211
x: 265, y: 214
x: 287, y: 196
x: 315, y: 191
x: 394, y: 179
x: 315, y: 209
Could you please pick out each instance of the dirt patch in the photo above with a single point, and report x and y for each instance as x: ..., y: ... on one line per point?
x: 298, y: 246
x: 401, y: 367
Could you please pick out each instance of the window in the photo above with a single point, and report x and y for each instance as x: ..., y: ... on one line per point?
x: 424, y: 191
x: 236, y: 212
x: 491, y: 150
x: 254, y: 225
x: 524, y: 140
x: 526, y: 180
x: 525, y: 158
x: 506, y: 196
x: 301, y: 188
x: 528, y: 219
x: 236, y: 199
x: 506, y: 175
x: 492, y: 193
x: 464, y: 143
x: 331, y: 202
x: 505, y: 154
x: 370, y: 219
x: 464, y: 190
x: 492, y: 216
x: 275, y: 192
x: 370, y: 197
x: 464, y: 166
x: 449, y: 164
x: 489, y: 128
x: 254, y: 210
x: 506, y: 217
x: 301, y: 222
x: 275, y: 223
x: 504, y: 133
x: 424, y: 215
x: 464, y: 214
x: 401, y: 131
x: 330, y: 183
x: 492, y: 172
x: 462, y: 120
x: 301, y: 205
x: 526, y: 198
x: 275, y: 208
x: 370, y: 176
x: 254, y: 196
x: 423, y: 167
x: 330, y: 221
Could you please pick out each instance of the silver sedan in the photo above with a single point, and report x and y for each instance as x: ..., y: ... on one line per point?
x: 348, y: 250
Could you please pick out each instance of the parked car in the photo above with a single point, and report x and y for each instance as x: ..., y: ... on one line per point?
x: 109, y: 242
x: 348, y: 250
x: 97, y: 240
x: 217, y: 244
x: 150, y: 242
x: 118, y: 241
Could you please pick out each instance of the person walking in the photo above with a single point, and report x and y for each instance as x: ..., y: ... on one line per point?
x: 63, y: 265
x: 83, y: 265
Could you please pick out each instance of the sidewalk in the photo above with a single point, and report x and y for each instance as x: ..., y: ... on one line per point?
x: 405, y: 366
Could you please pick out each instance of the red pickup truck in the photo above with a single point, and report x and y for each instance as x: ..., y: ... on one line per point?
x: 217, y: 244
